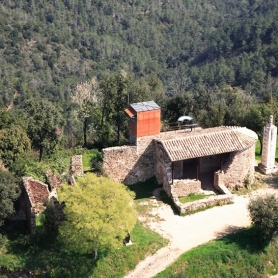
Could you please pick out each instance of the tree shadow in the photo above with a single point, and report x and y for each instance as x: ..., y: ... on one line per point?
x: 272, y: 181
x: 40, y: 255
x: 245, y: 238
x: 144, y: 189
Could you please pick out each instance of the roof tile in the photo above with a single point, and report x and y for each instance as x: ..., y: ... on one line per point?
x: 207, y: 142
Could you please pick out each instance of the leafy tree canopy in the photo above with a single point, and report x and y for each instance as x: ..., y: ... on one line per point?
x: 99, y: 214
x: 264, y: 216
x: 9, y: 192
x: 44, y: 124
x: 13, y: 143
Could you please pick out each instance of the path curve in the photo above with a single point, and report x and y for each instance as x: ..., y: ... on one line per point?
x: 190, y: 231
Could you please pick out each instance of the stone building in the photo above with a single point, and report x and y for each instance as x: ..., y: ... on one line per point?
x: 34, y: 192
x: 182, y: 160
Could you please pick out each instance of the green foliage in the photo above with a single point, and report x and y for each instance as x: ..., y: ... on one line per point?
x: 34, y: 254
x: 52, y: 219
x: 235, y: 255
x: 192, y: 197
x: 96, y: 163
x: 44, y: 125
x: 181, y: 46
x: 264, y: 216
x: 13, y: 138
x: 27, y: 165
x: 97, y: 217
x: 85, y: 97
x: 13, y: 143
x: 9, y: 192
x: 113, y: 100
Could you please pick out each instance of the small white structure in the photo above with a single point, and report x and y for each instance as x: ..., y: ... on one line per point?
x: 269, y: 148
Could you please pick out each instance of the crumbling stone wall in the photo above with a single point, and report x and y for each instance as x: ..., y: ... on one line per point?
x: 130, y: 164
x: 184, y: 187
x: 238, y: 169
x: 76, y: 166
x: 54, y: 180
x: 118, y: 162
x: 35, y: 193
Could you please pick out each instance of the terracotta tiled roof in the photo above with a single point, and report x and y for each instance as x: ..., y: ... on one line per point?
x: 36, y: 190
x: 208, y: 142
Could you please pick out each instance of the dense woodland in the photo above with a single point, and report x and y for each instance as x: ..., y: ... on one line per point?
x: 69, y: 68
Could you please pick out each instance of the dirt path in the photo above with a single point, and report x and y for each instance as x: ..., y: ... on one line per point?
x: 187, y: 232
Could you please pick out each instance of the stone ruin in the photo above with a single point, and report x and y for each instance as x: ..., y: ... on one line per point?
x: 76, y: 168
x: 35, y: 193
x: 54, y: 180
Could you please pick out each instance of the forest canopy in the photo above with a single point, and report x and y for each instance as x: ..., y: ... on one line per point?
x: 47, y: 47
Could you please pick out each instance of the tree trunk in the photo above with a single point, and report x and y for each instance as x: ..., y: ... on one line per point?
x: 118, y: 135
x: 41, y: 152
x: 94, y: 254
x: 85, y: 124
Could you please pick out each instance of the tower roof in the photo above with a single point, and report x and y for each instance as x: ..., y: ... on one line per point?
x: 144, y: 106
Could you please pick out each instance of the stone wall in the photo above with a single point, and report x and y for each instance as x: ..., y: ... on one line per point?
x: 163, y: 169
x: 76, y: 166
x: 183, y: 188
x: 238, y: 169
x: 35, y: 192
x: 130, y: 164
x: 118, y: 163
x: 201, y: 204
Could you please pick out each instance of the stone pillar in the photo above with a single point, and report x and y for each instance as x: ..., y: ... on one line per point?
x: 267, y: 166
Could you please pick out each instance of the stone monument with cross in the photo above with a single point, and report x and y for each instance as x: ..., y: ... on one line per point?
x: 267, y: 166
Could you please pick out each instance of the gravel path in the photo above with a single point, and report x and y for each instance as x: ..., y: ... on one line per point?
x: 190, y: 231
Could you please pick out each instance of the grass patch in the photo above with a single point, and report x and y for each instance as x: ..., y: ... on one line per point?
x: 258, y: 148
x: 257, y: 151
x: 192, y: 197
x: 87, y: 159
x: 235, y: 255
x: 35, y: 255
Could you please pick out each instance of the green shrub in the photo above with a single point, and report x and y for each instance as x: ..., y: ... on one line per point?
x: 96, y: 163
x: 264, y: 215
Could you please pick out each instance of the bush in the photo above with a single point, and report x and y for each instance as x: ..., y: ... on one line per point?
x: 96, y: 163
x: 264, y: 216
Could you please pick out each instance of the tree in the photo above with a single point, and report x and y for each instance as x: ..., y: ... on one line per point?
x: 179, y: 105
x: 114, y: 98
x: 53, y: 215
x: 13, y: 138
x: 264, y: 216
x: 257, y: 117
x: 85, y: 96
x: 9, y: 192
x: 13, y: 143
x: 99, y: 214
x: 44, y: 125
